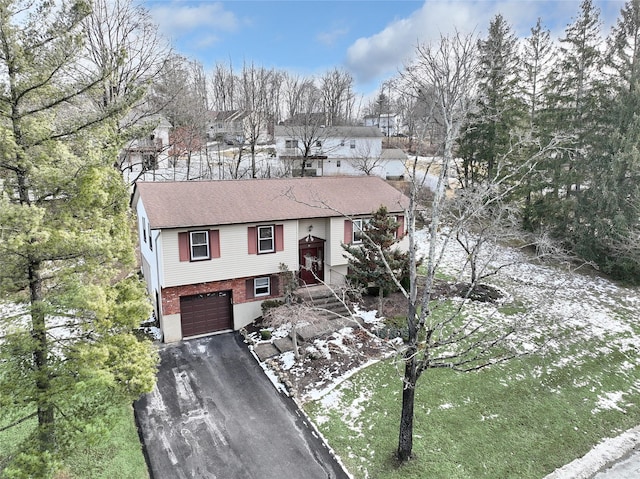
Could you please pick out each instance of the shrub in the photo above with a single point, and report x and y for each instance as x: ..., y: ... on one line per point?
x: 265, y: 334
x: 270, y: 303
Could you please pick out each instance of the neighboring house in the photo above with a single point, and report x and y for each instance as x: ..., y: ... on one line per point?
x: 210, y: 263
x: 149, y: 151
x: 233, y: 127
x: 388, y: 123
x: 336, y: 150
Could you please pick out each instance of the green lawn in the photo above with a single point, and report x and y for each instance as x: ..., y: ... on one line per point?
x: 521, y: 419
x: 119, y: 455
x: 514, y: 421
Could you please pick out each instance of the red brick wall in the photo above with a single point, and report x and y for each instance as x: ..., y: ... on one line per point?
x: 171, y: 296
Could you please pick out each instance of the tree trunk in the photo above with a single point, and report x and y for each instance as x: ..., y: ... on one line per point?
x: 405, y: 441
x: 41, y: 360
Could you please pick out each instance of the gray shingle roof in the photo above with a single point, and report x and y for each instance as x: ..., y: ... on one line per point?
x: 329, y: 131
x: 209, y: 203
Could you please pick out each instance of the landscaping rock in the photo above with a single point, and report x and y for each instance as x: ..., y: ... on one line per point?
x: 283, y: 345
x: 265, y: 351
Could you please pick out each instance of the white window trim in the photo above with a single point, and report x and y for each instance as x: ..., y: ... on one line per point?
x: 192, y: 243
x: 273, y: 239
x: 267, y: 284
x: 358, y: 225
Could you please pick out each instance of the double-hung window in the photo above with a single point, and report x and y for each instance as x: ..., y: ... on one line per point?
x: 359, y: 225
x: 199, y: 245
x: 352, y: 144
x: 291, y: 144
x: 262, y: 287
x: 266, y: 242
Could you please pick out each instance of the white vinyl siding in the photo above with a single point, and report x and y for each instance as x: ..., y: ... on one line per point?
x: 234, y: 261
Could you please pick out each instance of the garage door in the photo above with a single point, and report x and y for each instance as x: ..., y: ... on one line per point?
x: 205, y: 313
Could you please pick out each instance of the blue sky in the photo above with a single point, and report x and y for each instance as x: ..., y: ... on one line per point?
x: 371, y: 39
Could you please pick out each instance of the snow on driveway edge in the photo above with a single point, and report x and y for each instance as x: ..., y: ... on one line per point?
x: 602, y: 455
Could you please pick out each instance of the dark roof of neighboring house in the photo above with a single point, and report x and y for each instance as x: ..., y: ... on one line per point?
x: 208, y: 203
x: 329, y: 131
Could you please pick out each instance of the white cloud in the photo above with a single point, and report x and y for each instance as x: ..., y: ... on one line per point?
x: 387, y: 51
x: 329, y: 38
x: 206, y: 41
x: 177, y: 18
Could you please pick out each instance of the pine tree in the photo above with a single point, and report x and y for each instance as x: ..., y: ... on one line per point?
x: 574, y: 113
x: 537, y: 62
x: 367, y: 260
x: 66, y: 249
x: 499, y: 107
x: 609, y: 209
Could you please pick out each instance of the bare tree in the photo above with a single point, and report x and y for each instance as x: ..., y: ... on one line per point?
x: 298, y: 92
x: 123, y: 43
x: 223, y: 88
x: 447, y: 69
x: 337, y: 96
x: 365, y: 160
x: 124, y: 47
x: 256, y: 97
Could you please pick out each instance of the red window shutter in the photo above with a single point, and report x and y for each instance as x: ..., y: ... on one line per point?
x: 400, y: 232
x: 275, y: 285
x: 249, y: 288
x: 214, y: 243
x: 279, y: 237
x: 348, y: 232
x: 252, y: 240
x: 183, y: 246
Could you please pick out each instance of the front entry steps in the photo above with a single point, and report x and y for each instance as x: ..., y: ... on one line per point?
x: 324, y: 301
x: 332, y: 314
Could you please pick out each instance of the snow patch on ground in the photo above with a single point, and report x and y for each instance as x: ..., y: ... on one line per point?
x: 610, y: 400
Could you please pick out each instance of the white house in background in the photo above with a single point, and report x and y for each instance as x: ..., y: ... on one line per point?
x: 211, y: 251
x: 149, y: 151
x: 388, y: 123
x: 337, y: 150
x: 234, y: 126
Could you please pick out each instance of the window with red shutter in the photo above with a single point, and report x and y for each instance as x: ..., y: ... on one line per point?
x: 348, y: 232
x: 214, y: 242
x: 252, y: 239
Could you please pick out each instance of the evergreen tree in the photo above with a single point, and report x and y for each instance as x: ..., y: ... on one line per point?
x: 574, y: 114
x: 66, y: 249
x: 608, y: 211
x: 367, y: 260
x: 499, y: 107
x: 537, y: 62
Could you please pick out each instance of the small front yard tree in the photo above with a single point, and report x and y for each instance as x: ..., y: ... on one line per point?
x: 371, y: 259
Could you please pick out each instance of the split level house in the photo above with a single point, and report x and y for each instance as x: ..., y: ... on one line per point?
x: 213, y: 251
x: 337, y: 150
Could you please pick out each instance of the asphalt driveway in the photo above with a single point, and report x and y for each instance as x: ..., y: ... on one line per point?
x: 215, y: 414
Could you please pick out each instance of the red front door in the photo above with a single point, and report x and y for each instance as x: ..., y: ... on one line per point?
x: 311, y: 264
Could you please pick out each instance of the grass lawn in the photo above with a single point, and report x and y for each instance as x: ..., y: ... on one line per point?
x: 520, y: 420
x: 119, y: 455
